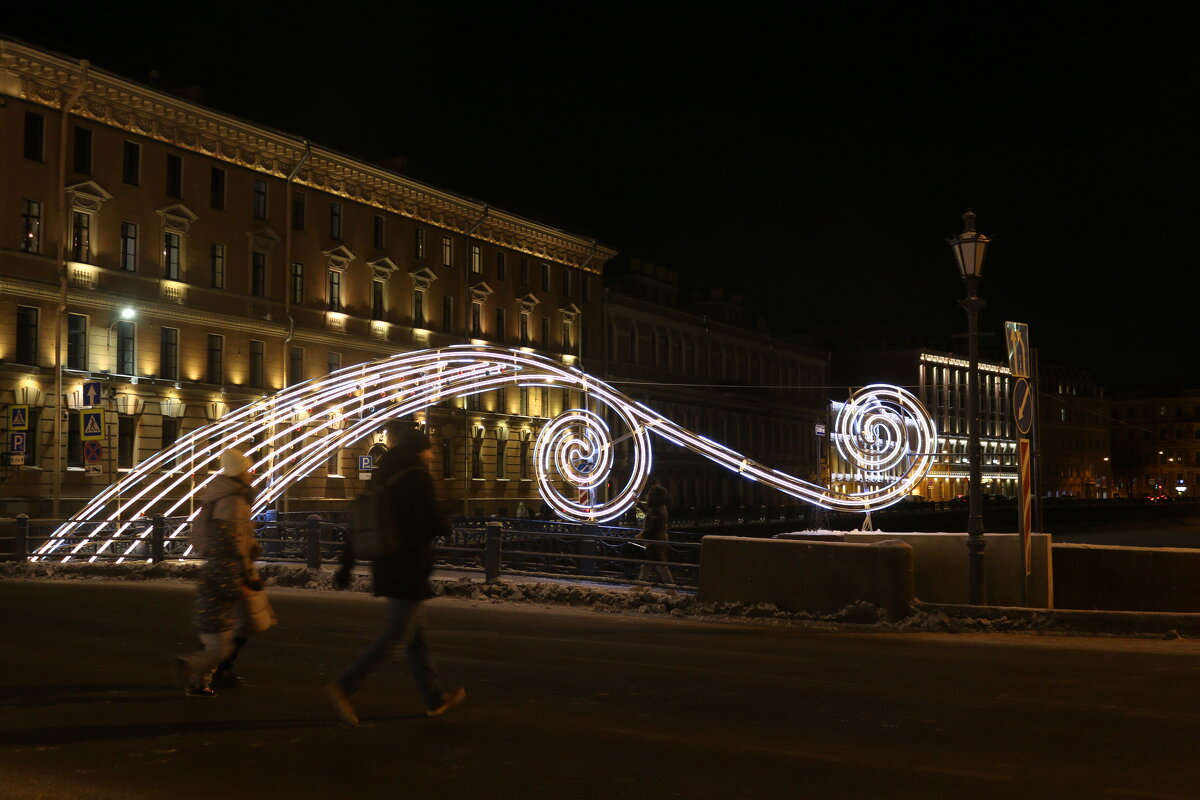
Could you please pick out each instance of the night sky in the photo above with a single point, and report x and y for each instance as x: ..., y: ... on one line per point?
x: 813, y: 160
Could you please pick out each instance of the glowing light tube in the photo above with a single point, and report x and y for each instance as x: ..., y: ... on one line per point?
x: 883, y: 431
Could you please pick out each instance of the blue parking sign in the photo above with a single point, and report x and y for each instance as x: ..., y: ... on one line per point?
x: 365, y: 464
x: 16, y: 442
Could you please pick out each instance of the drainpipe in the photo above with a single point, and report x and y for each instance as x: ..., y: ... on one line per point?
x: 287, y: 288
x: 59, y: 191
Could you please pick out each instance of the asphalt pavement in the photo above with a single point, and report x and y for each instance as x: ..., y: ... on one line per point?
x: 571, y: 703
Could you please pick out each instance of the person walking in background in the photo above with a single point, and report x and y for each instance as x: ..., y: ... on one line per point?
x: 230, y: 603
x: 656, y: 528
x: 402, y: 481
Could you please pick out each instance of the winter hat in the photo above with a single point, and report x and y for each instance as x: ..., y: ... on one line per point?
x: 234, y: 462
x: 409, y: 441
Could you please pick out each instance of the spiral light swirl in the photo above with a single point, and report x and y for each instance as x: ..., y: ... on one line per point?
x: 885, y: 429
x: 577, y: 447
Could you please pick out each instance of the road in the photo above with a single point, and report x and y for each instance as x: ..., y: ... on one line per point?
x: 570, y: 703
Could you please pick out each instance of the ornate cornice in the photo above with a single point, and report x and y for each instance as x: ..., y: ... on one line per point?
x: 44, y: 78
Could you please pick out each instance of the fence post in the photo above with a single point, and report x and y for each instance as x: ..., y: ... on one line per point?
x: 313, y: 541
x: 491, y: 552
x: 588, y: 549
x: 22, y: 536
x: 158, y: 530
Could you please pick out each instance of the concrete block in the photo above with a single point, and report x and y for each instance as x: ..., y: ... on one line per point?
x: 1110, y: 578
x: 817, y: 577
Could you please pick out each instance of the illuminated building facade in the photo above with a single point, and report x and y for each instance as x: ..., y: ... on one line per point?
x: 693, y: 362
x: 209, y: 261
x: 1074, y: 425
x: 1156, y: 445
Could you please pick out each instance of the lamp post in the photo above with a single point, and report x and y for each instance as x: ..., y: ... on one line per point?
x: 969, y: 248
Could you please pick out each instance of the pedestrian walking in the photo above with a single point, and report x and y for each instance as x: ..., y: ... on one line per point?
x: 408, y: 506
x: 656, y: 527
x: 230, y: 603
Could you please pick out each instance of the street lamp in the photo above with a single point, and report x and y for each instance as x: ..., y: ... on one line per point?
x: 969, y: 248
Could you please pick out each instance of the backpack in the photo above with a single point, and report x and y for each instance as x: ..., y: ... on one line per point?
x: 373, y: 530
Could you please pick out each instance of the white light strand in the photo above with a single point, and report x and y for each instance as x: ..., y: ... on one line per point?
x: 881, y: 429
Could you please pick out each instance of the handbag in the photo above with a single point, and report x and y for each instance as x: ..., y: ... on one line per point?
x: 257, y: 611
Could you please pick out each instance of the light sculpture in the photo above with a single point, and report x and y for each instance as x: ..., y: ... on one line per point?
x: 883, y: 431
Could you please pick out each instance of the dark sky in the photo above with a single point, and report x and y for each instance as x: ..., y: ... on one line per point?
x: 813, y: 159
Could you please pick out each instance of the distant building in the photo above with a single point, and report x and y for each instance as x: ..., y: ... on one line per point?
x: 250, y: 261
x: 1074, y: 428
x: 749, y: 391
x: 1156, y: 445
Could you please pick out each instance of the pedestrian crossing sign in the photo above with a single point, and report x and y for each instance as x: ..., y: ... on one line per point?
x: 18, y: 418
x: 91, y: 424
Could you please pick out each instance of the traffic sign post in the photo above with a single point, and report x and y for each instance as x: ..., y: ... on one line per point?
x: 92, y: 393
x: 18, y: 418
x: 16, y: 448
x: 365, y: 465
x: 91, y: 425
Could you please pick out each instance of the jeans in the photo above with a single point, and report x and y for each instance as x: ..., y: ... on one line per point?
x: 403, y: 629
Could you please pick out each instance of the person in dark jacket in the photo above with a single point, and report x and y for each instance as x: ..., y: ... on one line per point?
x: 656, y: 528
x: 402, y: 578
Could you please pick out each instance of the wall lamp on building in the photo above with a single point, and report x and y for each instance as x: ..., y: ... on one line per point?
x: 969, y: 248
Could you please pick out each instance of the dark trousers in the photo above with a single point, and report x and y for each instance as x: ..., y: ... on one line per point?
x: 404, y: 629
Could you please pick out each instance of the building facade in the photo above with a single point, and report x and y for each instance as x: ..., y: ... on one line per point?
x: 194, y: 262
x: 698, y: 367
x: 1074, y: 427
x: 1156, y: 445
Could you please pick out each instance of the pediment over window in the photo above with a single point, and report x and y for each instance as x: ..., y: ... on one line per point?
x: 87, y: 196
x: 569, y: 312
x: 528, y: 302
x: 382, y: 268
x: 264, y: 240
x: 480, y: 291
x: 177, y: 217
x: 338, y: 257
x: 422, y: 278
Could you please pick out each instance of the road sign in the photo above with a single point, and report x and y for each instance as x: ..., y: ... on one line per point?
x: 1024, y: 486
x: 93, y: 469
x: 365, y: 464
x: 1022, y: 400
x: 93, y: 452
x: 16, y: 442
x: 16, y: 460
x: 1017, y: 336
x: 18, y: 418
x: 91, y: 424
x: 91, y: 393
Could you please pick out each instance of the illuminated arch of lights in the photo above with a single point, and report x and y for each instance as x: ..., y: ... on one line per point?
x: 882, y: 431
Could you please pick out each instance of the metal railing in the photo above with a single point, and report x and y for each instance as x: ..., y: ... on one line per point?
x: 492, y: 546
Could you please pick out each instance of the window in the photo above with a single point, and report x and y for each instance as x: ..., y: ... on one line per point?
x: 524, y: 470
x: 476, y: 260
x: 27, y: 335
x: 260, y: 200
x: 297, y: 283
x: 477, y: 452
x: 74, y: 441
x: 567, y: 337
x: 523, y: 333
x: 126, y: 440
x: 447, y: 314
x: 378, y: 303
x: 295, y: 365
x: 418, y: 308
x: 258, y: 274
x: 524, y: 271
x: 170, y: 435
x: 335, y: 220
x: 81, y: 237
x: 168, y: 354
x: 334, y: 361
x: 335, y: 290
x: 447, y: 458
x: 174, y: 175
x: 476, y: 320
x: 545, y: 332
x: 298, y: 211
x: 31, y: 226
x: 171, y: 255
x: 502, y: 454
x: 125, y: 348
x: 257, y: 377
x: 216, y: 359
x: 545, y: 277
x: 500, y: 266
x: 129, y: 237
x: 585, y: 288
x: 447, y: 251
x: 216, y: 189
x: 566, y: 282
x: 333, y: 465
x: 131, y: 164
x: 379, y: 231
x: 216, y: 264
x: 419, y: 243
x: 77, y: 354
x: 501, y: 332
x: 35, y: 136
x: 83, y: 150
